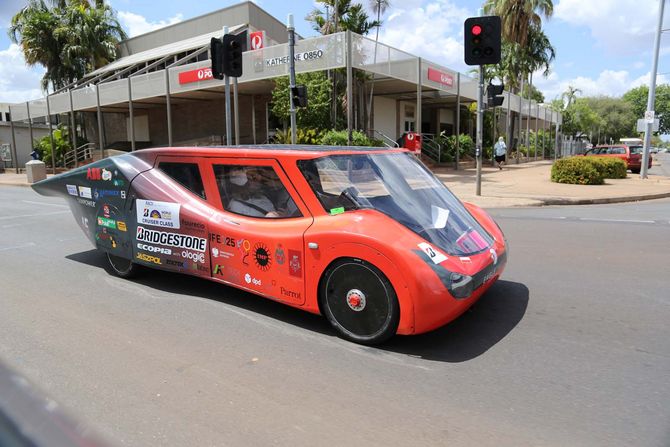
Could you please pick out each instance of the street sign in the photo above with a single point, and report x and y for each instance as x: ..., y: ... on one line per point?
x: 649, y: 116
x: 642, y: 125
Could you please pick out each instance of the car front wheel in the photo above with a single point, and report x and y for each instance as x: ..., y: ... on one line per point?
x: 125, y: 268
x: 359, y: 301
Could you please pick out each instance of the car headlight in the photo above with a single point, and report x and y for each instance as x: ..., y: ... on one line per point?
x: 460, y: 286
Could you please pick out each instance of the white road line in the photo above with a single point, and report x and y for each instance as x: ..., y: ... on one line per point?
x: 33, y: 215
x: 595, y: 219
x: 45, y: 203
x: 29, y: 244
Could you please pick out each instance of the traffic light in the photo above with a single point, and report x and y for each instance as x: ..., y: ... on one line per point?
x: 494, y: 95
x: 299, y: 93
x: 216, y: 55
x: 482, y: 40
x: 233, y: 47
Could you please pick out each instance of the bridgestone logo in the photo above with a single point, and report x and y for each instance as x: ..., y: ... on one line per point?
x: 171, y: 239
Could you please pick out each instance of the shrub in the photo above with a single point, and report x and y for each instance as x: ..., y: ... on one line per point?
x: 466, y: 146
x: 609, y: 167
x: 302, y: 136
x: 341, y: 138
x: 578, y: 171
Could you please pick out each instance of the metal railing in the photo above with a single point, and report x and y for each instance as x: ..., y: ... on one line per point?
x: 431, y: 148
x: 83, y: 152
x: 388, y: 141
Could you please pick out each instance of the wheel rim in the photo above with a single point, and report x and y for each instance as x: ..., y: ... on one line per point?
x: 120, y: 265
x: 358, y: 300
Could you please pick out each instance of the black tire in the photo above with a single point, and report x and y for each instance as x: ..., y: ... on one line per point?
x: 125, y: 268
x: 359, y: 301
x: 635, y: 171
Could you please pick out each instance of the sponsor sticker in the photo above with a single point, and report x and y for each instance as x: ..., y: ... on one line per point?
x: 251, y: 280
x: 289, y: 293
x: 218, y: 270
x: 98, y: 174
x: 85, y: 192
x: 432, y: 253
x: 195, y: 257
x: 171, y: 239
x: 106, y: 222
x: 121, y: 225
x: 85, y: 202
x: 101, y: 193
x: 72, y: 190
x: 295, y: 263
x: 158, y: 214
x: 153, y: 249
x: 148, y: 258
x: 262, y: 257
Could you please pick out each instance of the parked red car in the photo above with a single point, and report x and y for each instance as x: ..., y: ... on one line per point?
x: 632, y: 155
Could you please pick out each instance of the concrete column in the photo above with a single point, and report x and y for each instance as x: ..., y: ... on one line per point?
x: 73, y: 130
x: 132, y: 115
x: 51, y: 138
x: 101, y: 124
x: 168, y: 105
x: 253, y: 118
x: 30, y: 125
x: 350, y: 101
x: 537, y: 117
x: 11, y: 123
x: 418, y: 97
x: 458, y: 117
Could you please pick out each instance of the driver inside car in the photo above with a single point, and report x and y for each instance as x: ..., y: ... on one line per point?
x: 247, y: 195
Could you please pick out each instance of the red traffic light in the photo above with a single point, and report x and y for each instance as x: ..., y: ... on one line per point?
x: 476, y: 30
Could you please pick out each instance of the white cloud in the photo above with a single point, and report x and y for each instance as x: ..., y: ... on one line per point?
x: 608, y: 83
x: 621, y: 27
x: 18, y: 82
x: 433, y: 30
x: 136, y: 24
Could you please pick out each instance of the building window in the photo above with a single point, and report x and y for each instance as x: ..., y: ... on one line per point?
x: 7, y: 117
x: 186, y: 174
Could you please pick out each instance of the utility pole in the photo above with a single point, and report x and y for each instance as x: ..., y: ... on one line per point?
x: 480, y: 129
x: 291, y: 64
x: 649, y: 115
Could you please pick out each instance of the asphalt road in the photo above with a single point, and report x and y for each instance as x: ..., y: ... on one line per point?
x: 569, y: 348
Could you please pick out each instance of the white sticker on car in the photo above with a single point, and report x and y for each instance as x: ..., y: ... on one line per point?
x: 72, y: 190
x: 432, y: 253
x: 158, y: 214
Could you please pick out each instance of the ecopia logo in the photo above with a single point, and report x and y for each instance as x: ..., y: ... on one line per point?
x: 152, y: 249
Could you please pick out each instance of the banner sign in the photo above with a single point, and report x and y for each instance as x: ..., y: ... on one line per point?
x: 440, y: 77
x: 201, y: 74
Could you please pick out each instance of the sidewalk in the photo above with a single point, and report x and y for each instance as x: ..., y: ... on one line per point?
x: 529, y: 184
x: 524, y: 184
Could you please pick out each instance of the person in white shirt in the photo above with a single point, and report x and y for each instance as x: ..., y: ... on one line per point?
x: 247, y: 198
x: 500, y: 151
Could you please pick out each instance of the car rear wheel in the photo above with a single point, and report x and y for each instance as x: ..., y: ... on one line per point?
x: 635, y: 171
x: 125, y: 268
x: 359, y: 301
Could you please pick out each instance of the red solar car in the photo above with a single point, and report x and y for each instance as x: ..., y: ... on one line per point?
x: 368, y: 237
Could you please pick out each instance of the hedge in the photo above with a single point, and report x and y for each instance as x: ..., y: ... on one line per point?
x: 587, y: 170
x: 576, y: 170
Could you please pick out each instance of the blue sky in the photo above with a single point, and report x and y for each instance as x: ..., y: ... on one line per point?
x: 603, y: 46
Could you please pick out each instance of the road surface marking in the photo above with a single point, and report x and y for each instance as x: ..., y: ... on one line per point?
x: 595, y: 219
x: 44, y: 203
x: 33, y: 215
x: 29, y: 244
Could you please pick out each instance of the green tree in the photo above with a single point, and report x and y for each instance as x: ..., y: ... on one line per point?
x: 637, y: 98
x: 569, y: 96
x: 518, y: 16
x: 68, y: 38
x: 348, y: 16
x: 615, y: 115
x: 317, y: 113
x: 579, y: 119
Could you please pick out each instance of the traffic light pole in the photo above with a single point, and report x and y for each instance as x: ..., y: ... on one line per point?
x: 480, y: 129
x: 291, y: 62
x: 226, y: 80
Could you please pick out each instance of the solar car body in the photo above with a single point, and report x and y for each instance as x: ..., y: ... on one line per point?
x: 368, y: 237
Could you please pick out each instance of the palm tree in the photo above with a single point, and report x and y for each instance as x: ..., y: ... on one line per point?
x: 347, y: 16
x: 569, y: 96
x: 518, y: 16
x: 67, y: 38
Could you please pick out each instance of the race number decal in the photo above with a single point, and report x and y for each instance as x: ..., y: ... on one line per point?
x: 433, y: 254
